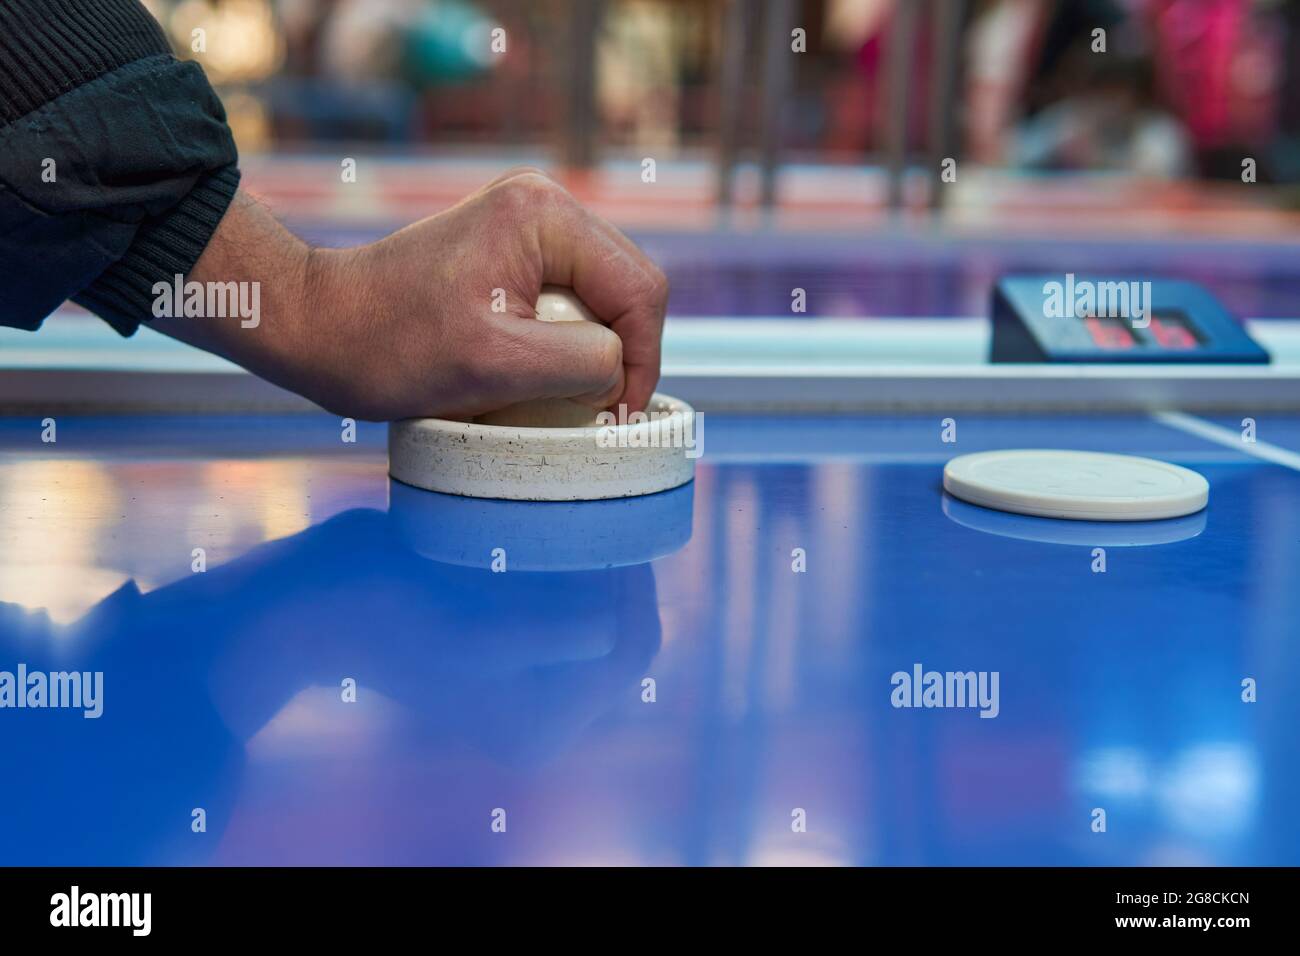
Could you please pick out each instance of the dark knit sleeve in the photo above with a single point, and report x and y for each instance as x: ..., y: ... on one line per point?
x: 116, y: 162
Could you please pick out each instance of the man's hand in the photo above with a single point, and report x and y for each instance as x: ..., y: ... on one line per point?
x: 406, y: 327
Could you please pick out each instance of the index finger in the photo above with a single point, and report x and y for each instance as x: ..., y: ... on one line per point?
x: 619, y: 283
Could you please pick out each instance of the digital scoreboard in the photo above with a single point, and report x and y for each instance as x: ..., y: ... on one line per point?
x: 1068, y: 318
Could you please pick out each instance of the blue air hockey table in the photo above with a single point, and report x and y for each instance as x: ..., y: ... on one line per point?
x: 305, y: 663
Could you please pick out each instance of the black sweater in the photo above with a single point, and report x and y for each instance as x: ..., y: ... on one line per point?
x: 116, y: 163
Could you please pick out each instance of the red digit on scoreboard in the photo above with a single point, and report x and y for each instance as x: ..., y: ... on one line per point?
x: 1170, y: 334
x: 1109, y: 333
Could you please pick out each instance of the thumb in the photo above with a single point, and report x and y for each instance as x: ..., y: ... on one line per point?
x: 578, y: 360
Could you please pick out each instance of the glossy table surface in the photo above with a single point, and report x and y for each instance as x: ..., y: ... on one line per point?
x: 232, y: 578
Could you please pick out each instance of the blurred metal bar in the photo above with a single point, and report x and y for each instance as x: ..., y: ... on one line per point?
x: 777, y: 70
x: 734, y: 39
x: 578, y: 149
x: 946, y: 21
x: 902, y: 35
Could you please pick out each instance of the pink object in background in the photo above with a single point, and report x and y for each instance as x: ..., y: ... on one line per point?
x: 1218, y: 67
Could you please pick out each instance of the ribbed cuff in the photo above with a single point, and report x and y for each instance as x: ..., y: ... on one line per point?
x: 164, y: 247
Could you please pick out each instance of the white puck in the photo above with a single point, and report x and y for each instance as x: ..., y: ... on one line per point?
x: 652, y: 453
x: 1082, y: 485
x: 1106, y: 534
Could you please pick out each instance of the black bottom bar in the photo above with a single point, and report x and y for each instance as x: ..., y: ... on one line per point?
x: 332, y: 905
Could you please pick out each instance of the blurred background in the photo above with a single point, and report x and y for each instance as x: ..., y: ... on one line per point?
x: 1170, y: 89
x: 922, y: 147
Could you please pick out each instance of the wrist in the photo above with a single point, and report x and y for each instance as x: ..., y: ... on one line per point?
x: 330, y: 297
x: 271, y: 272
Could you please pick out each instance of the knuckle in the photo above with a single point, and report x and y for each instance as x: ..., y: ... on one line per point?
x: 522, y: 170
x: 530, y: 192
x: 651, y: 288
x: 659, y: 283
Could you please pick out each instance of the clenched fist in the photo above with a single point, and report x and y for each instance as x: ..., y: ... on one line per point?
x: 436, y: 320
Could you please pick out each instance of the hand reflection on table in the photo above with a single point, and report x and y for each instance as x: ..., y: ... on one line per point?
x: 510, y: 666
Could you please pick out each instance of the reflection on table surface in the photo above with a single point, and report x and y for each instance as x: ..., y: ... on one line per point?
x: 525, y: 691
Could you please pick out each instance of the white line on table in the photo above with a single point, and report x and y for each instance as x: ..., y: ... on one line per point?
x: 1229, y: 438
